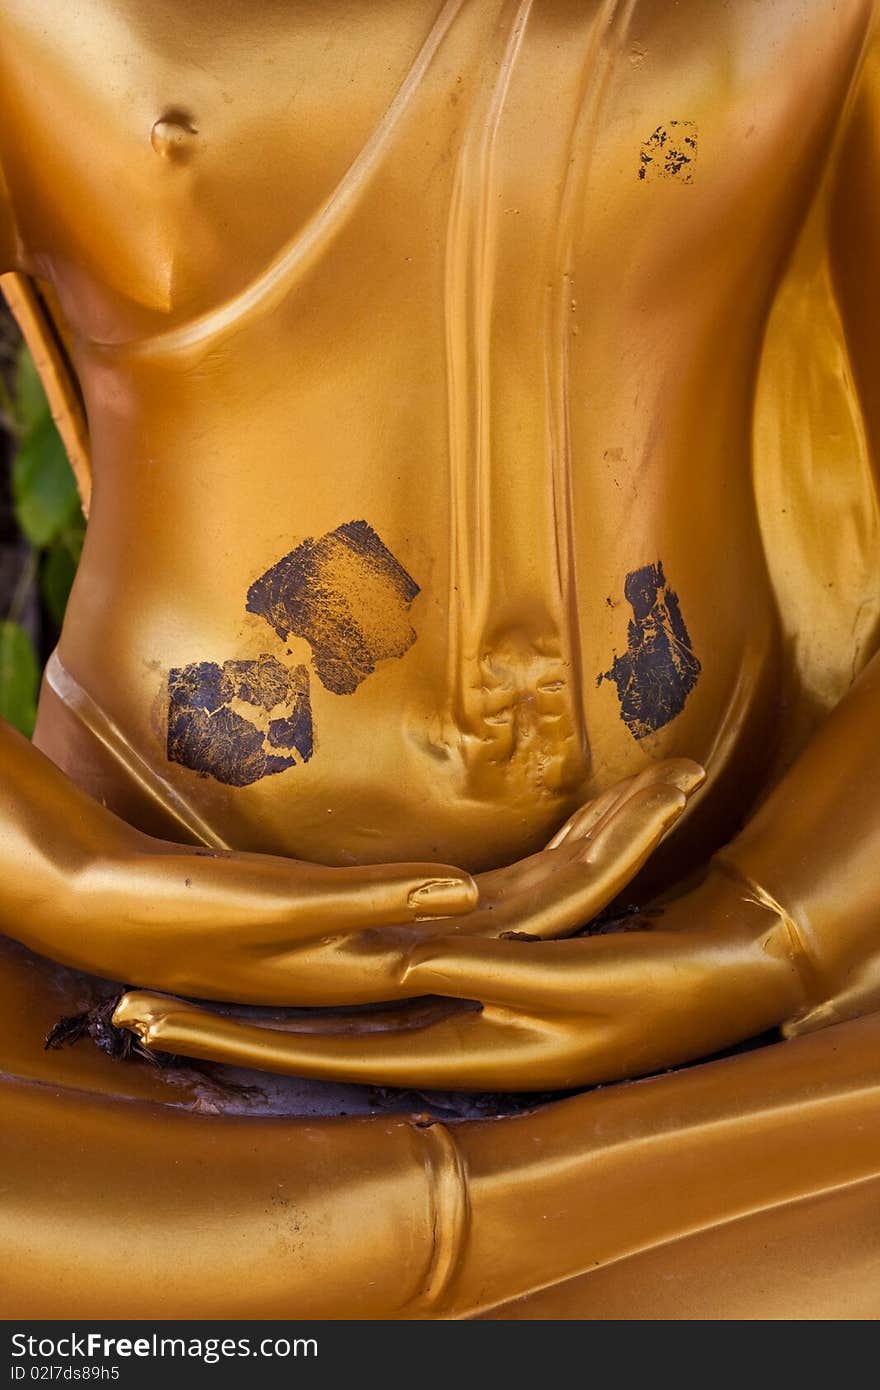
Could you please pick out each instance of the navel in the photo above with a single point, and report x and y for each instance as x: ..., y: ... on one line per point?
x: 175, y: 135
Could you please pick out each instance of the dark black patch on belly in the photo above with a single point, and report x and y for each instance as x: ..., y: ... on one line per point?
x: 347, y: 596
x: 295, y: 732
x: 209, y: 736
x: 659, y: 669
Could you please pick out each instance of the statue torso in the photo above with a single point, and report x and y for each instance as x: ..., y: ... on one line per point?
x: 418, y: 345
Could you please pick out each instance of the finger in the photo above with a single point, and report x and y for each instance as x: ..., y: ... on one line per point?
x: 585, y: 817
x: 580, y: 889
x: 624, y: 840
x: 710, y: 971
x: 506, y: 885
x: 380, y: 894
x: 301, y: 899
x: 492, y: 1049
x: 352, y: 900
x: 471, y: 1051
x: 674, y: 775
x: 681, y: 773
x: 538, y: 976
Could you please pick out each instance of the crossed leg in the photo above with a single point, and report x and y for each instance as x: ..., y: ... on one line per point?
x: 136, y: 1208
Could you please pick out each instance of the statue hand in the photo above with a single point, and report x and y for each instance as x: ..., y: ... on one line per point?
x: 259, y: 930
x: 84, y: 888
x: 714, y: 968
x: 555, y: 1014
x: 589, y: 860
x: 256, y: 929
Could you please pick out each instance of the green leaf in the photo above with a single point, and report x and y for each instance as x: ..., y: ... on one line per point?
x: 30, y: 398
x: 19, y: 678
x: 58, y: 570
x: 43, y: 485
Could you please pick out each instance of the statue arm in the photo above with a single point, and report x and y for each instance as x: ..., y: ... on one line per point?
x: 815, y: 845
x: 79, y: 885
x: 812, y: 854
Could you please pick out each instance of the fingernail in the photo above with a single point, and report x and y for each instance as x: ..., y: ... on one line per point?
x: 441, y: 895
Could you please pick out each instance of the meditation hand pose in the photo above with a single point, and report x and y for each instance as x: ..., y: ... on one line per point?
x: 476, y: 405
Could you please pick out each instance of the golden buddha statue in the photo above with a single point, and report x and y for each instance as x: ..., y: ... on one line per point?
x: 476, y: 404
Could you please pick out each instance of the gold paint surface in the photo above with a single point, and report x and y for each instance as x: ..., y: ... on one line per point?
x: 476, y: 403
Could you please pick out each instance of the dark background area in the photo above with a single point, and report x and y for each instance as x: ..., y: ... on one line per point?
x: 41, y: 529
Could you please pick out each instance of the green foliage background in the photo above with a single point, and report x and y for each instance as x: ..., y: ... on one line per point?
x: 49, y: 518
